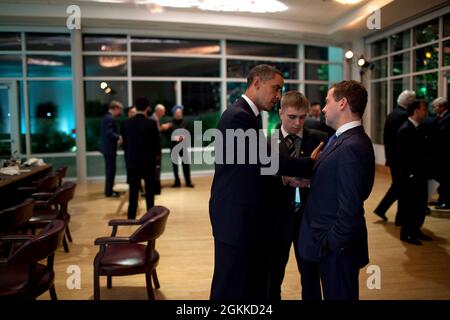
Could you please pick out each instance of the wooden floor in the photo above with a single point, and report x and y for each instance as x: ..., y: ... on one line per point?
x: 186, y: 249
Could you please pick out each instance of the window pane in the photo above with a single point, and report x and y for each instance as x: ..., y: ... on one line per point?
x: 447, y: 25
x: 182, y: 46
x: 380, y: 68
x: 201, y: 102
x: 49, y: 66
x: 235, y: 91
x: 96, y: 102
x: 316, y: 92
x: 10, y: 66
x: 400, y: 64
x: 379, y: 48
x: 175, y: 67
x: 52, y: 119
x: 446, y: 49
x: 70, y: 162
x: 10, y: 41
x: 96, y: 166
x: 47, y: 41
x: 104, y: 43
x: 426, y: 58
x: 324, y: 72
x: 244, y: 48
x: 105, y: 66
x: 316, y: 53
x: 335, y: 54
x: 240, y: 68
x: 426, y: 32
x: 398, y: 85
x: 426, y: 87
x: 379, y: 110
x: 400, y: 41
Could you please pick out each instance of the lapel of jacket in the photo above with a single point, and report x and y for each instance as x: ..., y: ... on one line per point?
x: 246, y: 108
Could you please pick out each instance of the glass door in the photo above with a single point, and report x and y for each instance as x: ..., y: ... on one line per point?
x: 9, y: 120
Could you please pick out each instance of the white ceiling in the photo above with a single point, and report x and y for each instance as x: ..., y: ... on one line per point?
x: 310, y: 20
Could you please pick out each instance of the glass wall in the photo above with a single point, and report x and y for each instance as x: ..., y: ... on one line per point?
x: 413, y: 59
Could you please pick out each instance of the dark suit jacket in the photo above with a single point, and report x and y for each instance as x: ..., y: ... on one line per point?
x: 342, y: 180
x: 109, y: 135
x: 140, y: 143
x: 439, y: 147
x: 393, y: 122
x: 236, y: 207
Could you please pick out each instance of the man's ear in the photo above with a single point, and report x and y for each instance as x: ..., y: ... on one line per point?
x: 343, y: 103
x: 257, y: 82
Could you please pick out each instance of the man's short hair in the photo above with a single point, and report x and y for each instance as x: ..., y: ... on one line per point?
x: 354, y: 92
x: 262, y: 71
x: 294, y: 99
x: 316, y: 103
x: 115, y: 104
x: 440, y: 101
x: 160, y: 106
x: 413, y: 106
x: 405, y: 98
x: 142, y: 104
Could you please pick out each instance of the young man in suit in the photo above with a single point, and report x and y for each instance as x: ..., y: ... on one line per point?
x: 289, y: 195
x: 393, y: 123
x: 141, y: 147
x: 413, y: 194
x: 333, y: 230
x: 109, y: 140
x: 237, y: 210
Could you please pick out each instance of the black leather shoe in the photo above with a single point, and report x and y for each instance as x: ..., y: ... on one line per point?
x: 176, y: 185
x: 421, y: 236
x: 443, y: 206
x: 113, y: 195
x: 382, y: 216
x: 190, y: 185
x: 411, y: 240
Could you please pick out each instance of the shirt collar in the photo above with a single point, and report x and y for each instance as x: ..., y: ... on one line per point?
x: 443, y: 113
x: 347, y: 126
x: 251, y: 104
x: 414, y: 122
x: 285, y: 133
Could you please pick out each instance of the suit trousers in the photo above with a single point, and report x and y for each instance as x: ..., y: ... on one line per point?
x: 239, y: 273
x: 110, y: 172
x: 392, y: 194
x: 134, y: 181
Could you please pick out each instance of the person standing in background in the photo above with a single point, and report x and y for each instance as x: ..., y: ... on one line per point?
x: 160, y: 111
x: 109, y: 140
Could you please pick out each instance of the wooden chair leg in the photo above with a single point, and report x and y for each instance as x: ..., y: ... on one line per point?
x: 148, y: 281
x: 53, y: 293
x: 65, y: 244
x: 69, y: 236
x: 96, y: 285
x: 155, y: 279
x: 108, y: 282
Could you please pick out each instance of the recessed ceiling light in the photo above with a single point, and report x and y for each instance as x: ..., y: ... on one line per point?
x: 348, y: 1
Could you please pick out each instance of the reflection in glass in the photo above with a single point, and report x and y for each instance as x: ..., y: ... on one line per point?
x: 201, y: 102
x: 379, y: 48
x: 104, y: 43
x: 175, y: 67
x: 379, y: 110
x: 400, y: 41
x: 324, y: 72
x: 426, y: 32
x: 426, y: 58
x: 398, y: 85
x: 240, y: 68
x: 400, y: 64
x: 49, y: 66
x: 10, y: 41
x: 47, y: 41
x: 105, y: 66
x: 52, y: 119
x: 96, y: 102
x: 10, y: 66
x: 262, y: 49
x: 426, y: 87
x: 181, y: 46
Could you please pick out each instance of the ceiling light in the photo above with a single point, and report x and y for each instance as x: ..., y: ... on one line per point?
x: 260, y: 6
x: 349, y: 54
x: 348, y: 1
x: 361, y: 62
x: 103, y: 85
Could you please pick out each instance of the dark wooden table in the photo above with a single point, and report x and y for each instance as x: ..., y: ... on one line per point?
x: 9, y: 184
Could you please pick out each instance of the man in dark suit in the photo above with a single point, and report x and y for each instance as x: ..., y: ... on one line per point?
x: 333, y: 230
x: 141, y: 147
x: 239, y: 220
x: 393, y: 122
x: 289, y: 196
x: 413, y: 194
x: 109, y: 140
x: 441, y: 152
